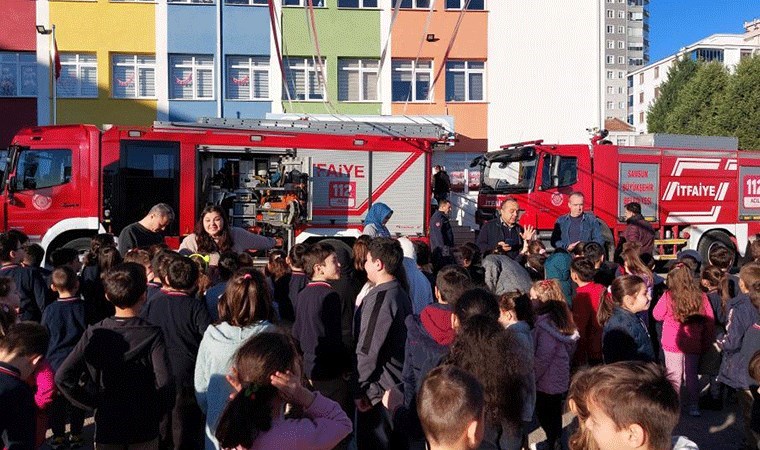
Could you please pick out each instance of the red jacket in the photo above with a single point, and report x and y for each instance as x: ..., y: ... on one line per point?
x: 585, y: 306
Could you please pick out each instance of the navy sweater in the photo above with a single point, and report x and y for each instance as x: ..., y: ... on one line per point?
x: 318, y: 330
x: 17, y: 417
x: 65, y: 320
x: 31, y: 289
x: 183, y: 319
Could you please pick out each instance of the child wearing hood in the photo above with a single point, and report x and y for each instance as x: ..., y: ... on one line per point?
x: 374, y: 224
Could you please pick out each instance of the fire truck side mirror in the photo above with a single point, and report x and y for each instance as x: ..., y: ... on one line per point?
x: 12, y: 184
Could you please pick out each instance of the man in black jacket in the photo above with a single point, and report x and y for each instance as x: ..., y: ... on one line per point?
x: 441, y: 184
x: 441, y: 236
x: 504, y: 232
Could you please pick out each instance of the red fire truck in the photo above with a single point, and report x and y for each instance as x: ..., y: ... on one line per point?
x: 694, y: 197
x: 298, y: 180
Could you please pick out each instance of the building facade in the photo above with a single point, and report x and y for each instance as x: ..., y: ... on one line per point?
x: 626, y: 48
x: 729, y: 49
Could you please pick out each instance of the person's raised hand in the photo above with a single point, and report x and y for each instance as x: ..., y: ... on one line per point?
x: 529, y: 233
x: 291, y: 389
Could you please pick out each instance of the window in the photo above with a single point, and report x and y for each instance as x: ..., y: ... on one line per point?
x: 707, y: 54
x: 248, y: 2
x: 357, y: 3
x: 745, y: 53
x: 610, y: 13
x: 79, y: 76
x: 610, y: 29
x: 641, y: 78
x: 316, y: 3
x: 247, y: 78
x: 621, y: 105
x: 621, y: 14
x: 621, y: 29
x: 357, y: 80
x: 630, y: 101
x: 411, y: 4
x: 656, y: 93
x: 630, y: 119
x: 39, y: 169
x: 464, y: 81
x: 657, y: 72
x: 641, y: 97
x: 205, y: 2
x: 610, y: 1
x: 610, y: 59
x: 478, y: 5
x: 620, y: 89
x: 610, y: 44
x: 303, y: 81
x: 641, y: 117
x: 134, y: 76
x: 621, y: 59
x: 621, y: 74
x: 621, y: 44
x: 411, y: 82
x: 610, y: 75
x: 191, y: 77
x: 610, y: 105
x: 558, y: 171
x: 18, y: 75
x: 610, y: 90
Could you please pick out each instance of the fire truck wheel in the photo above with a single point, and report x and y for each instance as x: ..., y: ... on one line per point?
x: 713, y: 238
x: 81, y: 245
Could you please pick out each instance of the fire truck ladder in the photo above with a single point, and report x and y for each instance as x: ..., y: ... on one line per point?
x: 412, y: 130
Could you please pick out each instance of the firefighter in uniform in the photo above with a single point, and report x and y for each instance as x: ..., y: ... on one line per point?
x: 441, y: 236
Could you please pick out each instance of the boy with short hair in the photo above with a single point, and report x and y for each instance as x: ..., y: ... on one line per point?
x: 627, y: 405
x: 381, y: 340
x: 65, y: 320
x: 317, y: 327
x: 183, y: 320
x: 29, y: 282
x: 586, y: 302
x: 124, y: 363
x: 451, y: 408
x: 21, y: 350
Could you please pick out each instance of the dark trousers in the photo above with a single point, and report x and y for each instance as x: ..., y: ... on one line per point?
x: 61, y: 410
x: 182, y: 427
x: 549, y: 414
x: 374, y: 430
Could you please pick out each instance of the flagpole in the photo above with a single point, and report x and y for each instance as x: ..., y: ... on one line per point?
x: 55, y: 94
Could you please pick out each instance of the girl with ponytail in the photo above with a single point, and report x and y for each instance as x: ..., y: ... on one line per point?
x: 266, y: 375
x: 624, y: 335
x: 688, y: 328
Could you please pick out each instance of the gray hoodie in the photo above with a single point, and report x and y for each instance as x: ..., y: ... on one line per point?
x: 219, y: 344
x: 503, y: 274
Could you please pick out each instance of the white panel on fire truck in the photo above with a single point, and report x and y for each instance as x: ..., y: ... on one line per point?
x: 639, y: 183
x: 404, y: 176
x: 687, y: 141
x: 749, y: 193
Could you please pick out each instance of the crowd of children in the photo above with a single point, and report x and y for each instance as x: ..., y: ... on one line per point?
x: 371, y: 347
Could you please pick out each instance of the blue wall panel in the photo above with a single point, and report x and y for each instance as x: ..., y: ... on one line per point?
x: 191, y: 29
x: 190, y: 110
x: 246, y: 110
x: 246, y: 30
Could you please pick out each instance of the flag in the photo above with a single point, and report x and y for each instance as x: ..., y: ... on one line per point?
x: 57, y: 60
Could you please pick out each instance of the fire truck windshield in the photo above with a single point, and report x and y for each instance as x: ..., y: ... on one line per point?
x: 508, y: 176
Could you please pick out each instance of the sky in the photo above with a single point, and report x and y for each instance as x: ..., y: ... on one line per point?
x: 677, y: 23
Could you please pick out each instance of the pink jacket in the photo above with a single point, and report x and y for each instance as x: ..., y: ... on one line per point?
x: 324, y: 425
x: 691, y: 337
x: 43, y: 384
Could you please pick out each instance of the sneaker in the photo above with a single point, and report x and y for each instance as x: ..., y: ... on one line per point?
x: 58, y: 442
x: 694, y: 411
x: 76, y: 441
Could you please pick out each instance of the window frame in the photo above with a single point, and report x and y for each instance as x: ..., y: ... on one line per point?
x: 308, y: 65
x: 79, y: 66
x: 195, y: 68
x: 192, y: 2
x: 467, y: 71
x: 414, y: 71
x: 462, y: 4
x: 19, y: 75
x: 304, y: 3
x: 361, y: 70
x: 415, y: 6
x: 361, y: 5
x: 229, y: 59
x: 20, y: 181
x: 136, y: 66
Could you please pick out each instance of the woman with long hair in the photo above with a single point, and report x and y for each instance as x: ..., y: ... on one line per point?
x: 245, y: 310
x: 687, y: 330
x: 214, y: 235
x: 265, y: 376
x: 555, y: 338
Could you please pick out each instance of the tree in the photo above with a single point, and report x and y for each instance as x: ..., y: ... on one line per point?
x: 679, y: 74
x: 696, y: 109
x: 740, y: 113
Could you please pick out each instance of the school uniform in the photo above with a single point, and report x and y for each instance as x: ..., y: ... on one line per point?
x: 17, y: 417
x: 31, y: 290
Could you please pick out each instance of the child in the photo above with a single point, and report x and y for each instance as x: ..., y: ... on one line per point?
x: 183, y: 320
x: 380, y: 341
x: 555, y: 338
x: 9, y: 295
x: 66, y: 257
x: 298, y: 279
x: 277, y: 272
x: 470, y: 258
x: 624, y: 335
x: 317, y: 327
x: 588, y: 295
x: 627, y: 405
x: 723, y: 258
x: 714, y: 283
x: 30, y: 285
x: 750, y: 345
x: 92, y: 288
x: 21, y: 350
x: 66, y: 323
x: 687, y: 330
x: 34, y: 257
x: 266, y: 373
x: 246, y: 310
x: 452, y: 409
x: 124, y: 360
x: 742, y: 315
x: 606, y: 271
x: 228, y: 265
